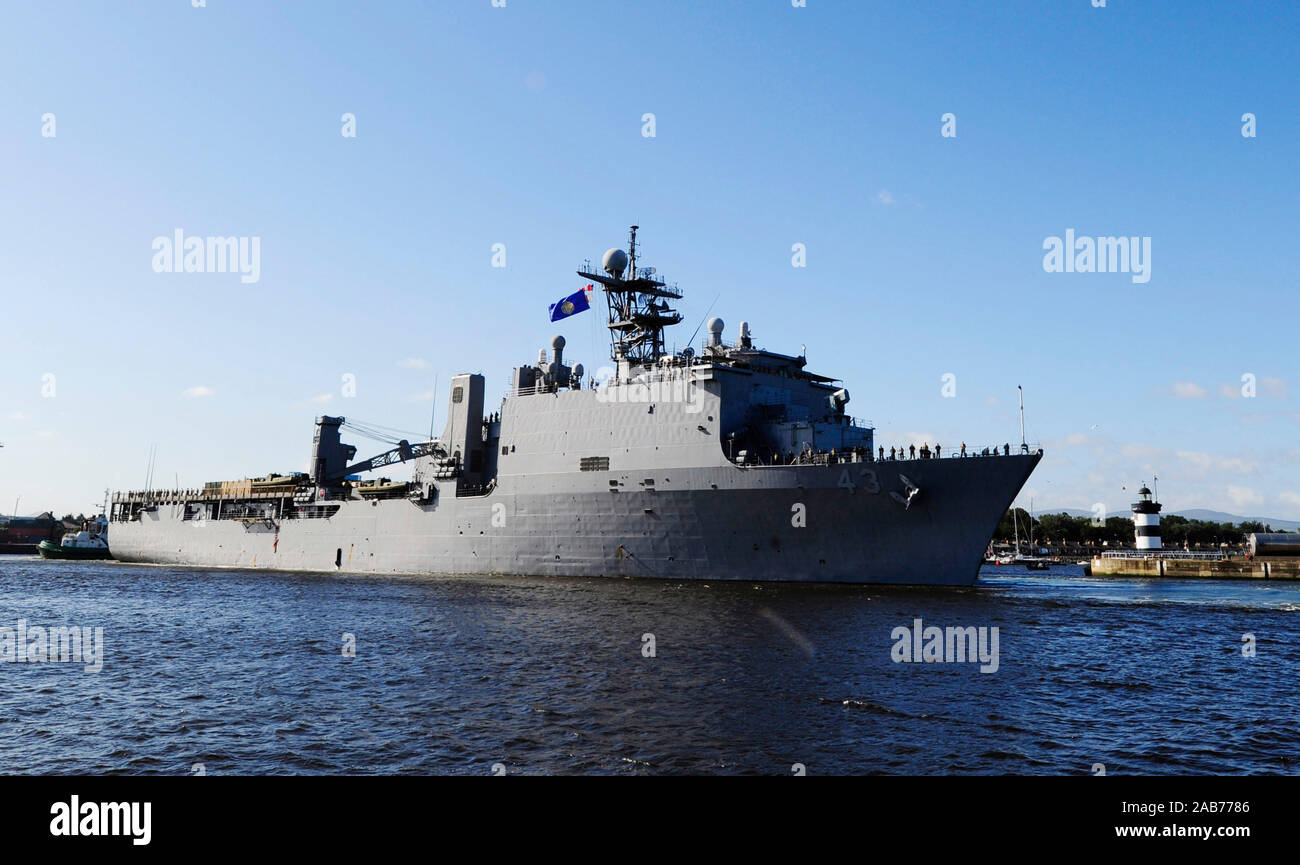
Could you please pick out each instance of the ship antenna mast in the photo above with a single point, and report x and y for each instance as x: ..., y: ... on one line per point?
x: 1024, y: 448
x: 631, y: 253
x: 638, y: 305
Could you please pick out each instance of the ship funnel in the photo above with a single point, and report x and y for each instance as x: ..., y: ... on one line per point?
x: 715, y: 331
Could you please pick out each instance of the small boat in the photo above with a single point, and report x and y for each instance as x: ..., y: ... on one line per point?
x: 382, y: 488
x: 89, y: 543
x: 1030, y: 562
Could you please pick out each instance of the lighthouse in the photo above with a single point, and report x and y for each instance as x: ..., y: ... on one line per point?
x: 1146, y: 521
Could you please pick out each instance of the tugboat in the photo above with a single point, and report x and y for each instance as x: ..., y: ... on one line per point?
x: 89, y: 543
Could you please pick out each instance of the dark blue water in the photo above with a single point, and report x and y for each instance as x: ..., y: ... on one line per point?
x: 244, y: 673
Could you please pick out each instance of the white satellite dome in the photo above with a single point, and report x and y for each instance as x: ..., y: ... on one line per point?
x: 715, y: 327
x: 614, y: 262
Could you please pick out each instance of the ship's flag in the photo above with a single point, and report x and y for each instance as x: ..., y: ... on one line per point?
x: 571, y: 305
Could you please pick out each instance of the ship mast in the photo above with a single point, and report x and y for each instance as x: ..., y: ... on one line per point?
x: 638, y: 305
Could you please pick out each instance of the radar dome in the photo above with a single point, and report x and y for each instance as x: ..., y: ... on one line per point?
x: 614, y: 262
x: 715, y: 326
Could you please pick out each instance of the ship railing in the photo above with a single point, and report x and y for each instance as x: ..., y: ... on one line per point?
x: 853, y: 455
x: 994, y: 450
x: 1163, y: 554
x: 531, y: 391
x: 312, y: 512
x: 469, y: 490
x: 164, y: 497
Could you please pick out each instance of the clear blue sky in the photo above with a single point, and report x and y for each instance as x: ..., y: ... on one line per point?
x: 775, y: 125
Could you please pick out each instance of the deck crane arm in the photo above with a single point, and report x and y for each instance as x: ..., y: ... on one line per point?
x: 400, y: 454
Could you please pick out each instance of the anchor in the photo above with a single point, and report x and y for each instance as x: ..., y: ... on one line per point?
x: 912, y: 492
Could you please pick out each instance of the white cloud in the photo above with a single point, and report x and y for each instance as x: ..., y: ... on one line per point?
x: 426, y: 396
x: 17, y: 415
x: 1289, y: 498
x: 1237, y: 465
x: 1076, y: 439
x: 1243, y: 497
x: 1188, y: 390
x: 1135, y: 451
x: 885, y: 197
x: 322, y: 399
x: 1230, y: 465
x: 415, y: 363
x: 197, y: 392
x: 1268, y: 386
x: 1274, y: 386
x: 46, y: 434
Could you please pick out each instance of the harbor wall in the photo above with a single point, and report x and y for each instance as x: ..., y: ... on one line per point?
x: 1216, y: 569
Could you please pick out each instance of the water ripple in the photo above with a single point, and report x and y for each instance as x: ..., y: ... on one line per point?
x: 246, y: 673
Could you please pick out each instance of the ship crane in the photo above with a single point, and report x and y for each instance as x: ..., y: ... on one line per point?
x: 403, y: 452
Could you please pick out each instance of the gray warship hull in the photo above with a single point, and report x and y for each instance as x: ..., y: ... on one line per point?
x: 735, y: 463
x: 816, y: 523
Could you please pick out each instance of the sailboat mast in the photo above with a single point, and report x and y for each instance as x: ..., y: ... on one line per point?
x: 1015, y: 524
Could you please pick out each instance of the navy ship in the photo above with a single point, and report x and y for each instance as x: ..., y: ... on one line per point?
x: 726, y: 462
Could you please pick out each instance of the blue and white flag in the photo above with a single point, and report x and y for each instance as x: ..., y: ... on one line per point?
x: 571, y: 305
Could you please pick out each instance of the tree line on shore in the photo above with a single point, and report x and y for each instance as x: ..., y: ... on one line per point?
x: 1058, y: 530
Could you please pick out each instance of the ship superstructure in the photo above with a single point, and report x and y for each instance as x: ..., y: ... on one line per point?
x: 726, y: 462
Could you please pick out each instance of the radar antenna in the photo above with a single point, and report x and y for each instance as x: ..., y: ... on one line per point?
x: 638, y: 305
